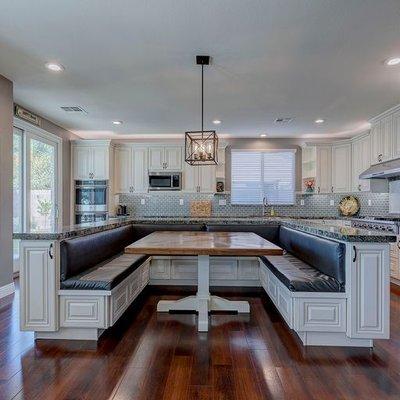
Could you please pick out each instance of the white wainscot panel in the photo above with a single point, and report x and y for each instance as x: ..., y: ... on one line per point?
x: 82, y: 311
x: 184, y: 268
x: 223, y: 268
x: 160, y: 269
x: 320, y: 315
x: 248, y: 269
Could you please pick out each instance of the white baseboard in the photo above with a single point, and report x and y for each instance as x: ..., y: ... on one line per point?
x: 71, y: 334
x: 7, y: 290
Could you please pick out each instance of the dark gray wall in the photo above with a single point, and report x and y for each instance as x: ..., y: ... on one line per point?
x: 6, y: 206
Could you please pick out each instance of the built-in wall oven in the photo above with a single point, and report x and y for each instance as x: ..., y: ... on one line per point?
x: 165, y: 180
x: 91, y: 201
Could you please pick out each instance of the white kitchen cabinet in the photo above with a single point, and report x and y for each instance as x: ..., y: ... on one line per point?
x: 165, y: 157
x: 131, y: 170
x: 361, y: 161
x: 323, y: 182
x: 200, y: 179
x: 91, y: 160
x: 341, y: 167
x: 382, y: 140
x: 396, y: 134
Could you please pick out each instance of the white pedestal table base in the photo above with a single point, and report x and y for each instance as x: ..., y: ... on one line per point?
x: 203, y: 302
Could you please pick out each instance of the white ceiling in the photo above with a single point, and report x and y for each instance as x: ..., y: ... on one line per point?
x: 134, y: 61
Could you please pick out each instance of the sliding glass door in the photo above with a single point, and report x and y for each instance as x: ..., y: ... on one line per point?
x: 35, y: 182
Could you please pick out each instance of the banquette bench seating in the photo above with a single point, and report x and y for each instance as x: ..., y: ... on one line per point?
x: 95, y: 270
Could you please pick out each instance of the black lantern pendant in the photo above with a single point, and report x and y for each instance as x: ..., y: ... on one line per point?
x: 201, y: 147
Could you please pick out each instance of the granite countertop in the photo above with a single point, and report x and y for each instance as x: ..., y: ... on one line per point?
x: 330, y: 229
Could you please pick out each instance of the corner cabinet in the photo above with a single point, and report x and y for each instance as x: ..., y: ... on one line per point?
x: 131, y: 169
x: 165, y: 158
x: 91, y: 159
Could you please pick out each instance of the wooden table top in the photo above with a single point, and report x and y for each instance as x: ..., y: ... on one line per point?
x: 204, y: 243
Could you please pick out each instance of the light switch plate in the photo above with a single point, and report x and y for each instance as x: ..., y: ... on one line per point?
x: 222, y: 202
x: 143, y: 201
x: 181, y: 202
x: 332, y: 202
x: 302, y: 202
x: 369, y: 202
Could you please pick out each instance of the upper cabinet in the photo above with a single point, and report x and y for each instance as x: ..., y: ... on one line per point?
x: 361, y: 161
x: 91, y: 160
x: 131, y: 169
x: 165, y: 158
x: 396, y: 134
x: 341, y: 167
x: 323, y: 182
x: 200, y: 179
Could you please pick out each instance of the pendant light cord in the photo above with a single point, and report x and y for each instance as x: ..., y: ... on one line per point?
x: 202, y: 100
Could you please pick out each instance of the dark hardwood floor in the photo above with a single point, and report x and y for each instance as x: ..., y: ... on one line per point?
x: 162, y: 356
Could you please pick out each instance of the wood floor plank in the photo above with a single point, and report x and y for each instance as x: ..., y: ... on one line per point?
x: 152, y: 356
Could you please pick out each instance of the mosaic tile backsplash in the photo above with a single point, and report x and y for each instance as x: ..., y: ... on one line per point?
x: 315, y: 206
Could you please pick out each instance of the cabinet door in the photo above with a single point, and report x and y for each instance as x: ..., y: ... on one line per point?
x: 207, y: 178
x: 324, y: 169
x: 123, y: 169
x: 156, y: 158
x: 341, y: 168
x: 361, y: 160
x: 82, y: 162
x: 386, y: 133
x: 396, y: 135
x: 100, y: 168
x: 173, y: 158
x: 190, y: 178
x: 369, y: 301
x: 140, y: 170
x: 376, y: 144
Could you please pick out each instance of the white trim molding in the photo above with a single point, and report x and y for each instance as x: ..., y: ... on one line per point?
x: 6, y: 290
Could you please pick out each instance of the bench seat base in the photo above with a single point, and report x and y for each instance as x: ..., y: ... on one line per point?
x: 71, y: 334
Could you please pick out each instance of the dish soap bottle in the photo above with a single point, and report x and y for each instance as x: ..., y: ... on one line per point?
x: 272, y: 212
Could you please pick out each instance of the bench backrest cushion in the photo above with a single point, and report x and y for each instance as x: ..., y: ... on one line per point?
x: 323, y: 254
x: 268, y: 232
x: 83, y: 253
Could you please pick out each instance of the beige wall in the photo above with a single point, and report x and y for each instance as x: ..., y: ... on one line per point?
x: 6, y: 206
x: 66, y: 137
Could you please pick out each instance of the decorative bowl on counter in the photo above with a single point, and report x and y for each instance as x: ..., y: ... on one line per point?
x: 349, y: 206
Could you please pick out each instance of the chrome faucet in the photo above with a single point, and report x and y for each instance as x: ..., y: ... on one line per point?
x: 264, y: 205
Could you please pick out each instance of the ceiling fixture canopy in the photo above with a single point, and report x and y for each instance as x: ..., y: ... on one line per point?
x: 201, y: 147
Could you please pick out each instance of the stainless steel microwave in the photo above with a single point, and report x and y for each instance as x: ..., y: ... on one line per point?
x: 165, y: 180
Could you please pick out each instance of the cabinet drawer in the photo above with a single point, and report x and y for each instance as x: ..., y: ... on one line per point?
x: 316, y: 315
x: 272, y: 286
x: 82, y: 311
x: 223, y: 269
x: 285, y: 305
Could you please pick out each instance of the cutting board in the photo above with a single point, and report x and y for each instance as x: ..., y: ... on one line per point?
x: 200, y: 208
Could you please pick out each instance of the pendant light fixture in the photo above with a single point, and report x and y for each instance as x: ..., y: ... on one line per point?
x: 201, y: 147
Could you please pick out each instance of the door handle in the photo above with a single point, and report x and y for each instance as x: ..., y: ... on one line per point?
x: 355, y: 254
x: 50, y: 251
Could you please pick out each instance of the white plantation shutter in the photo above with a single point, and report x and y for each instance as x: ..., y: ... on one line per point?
x: 246, y: 174
x: 259, y: 174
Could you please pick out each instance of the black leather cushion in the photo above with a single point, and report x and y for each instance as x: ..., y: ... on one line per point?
x: 298, y: 276
x: 325, y: 255
x: 142, y: 230
x: 83, y: 253
x: 268, y: 232
x: 107, y: 275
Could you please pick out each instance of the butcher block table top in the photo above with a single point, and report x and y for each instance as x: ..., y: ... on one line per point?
x: 204, y: 243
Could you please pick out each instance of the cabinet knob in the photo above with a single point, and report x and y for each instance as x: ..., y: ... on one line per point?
x: 359, y: 187
x: 380, y: 157
x: 331, y: 189
x: 318, y: 190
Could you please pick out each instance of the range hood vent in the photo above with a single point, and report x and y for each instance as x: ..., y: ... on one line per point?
x: 388, y: 169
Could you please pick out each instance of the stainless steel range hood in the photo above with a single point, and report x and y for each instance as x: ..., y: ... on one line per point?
x: 388, y: 169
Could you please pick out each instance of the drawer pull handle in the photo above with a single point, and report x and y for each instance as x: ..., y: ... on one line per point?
x: 355, y: 254
x: 50, y: 251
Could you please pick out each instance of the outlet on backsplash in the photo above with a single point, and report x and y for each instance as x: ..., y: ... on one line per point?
x: 332, y: 202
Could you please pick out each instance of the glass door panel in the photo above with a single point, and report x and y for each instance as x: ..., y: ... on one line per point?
x: 41, y: 183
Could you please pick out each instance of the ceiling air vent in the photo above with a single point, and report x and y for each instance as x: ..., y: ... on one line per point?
x: 75, y: 109
x: 283, y: 120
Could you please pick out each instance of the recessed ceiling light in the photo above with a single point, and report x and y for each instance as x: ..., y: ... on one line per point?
x: 217, y: 121
x: 117, y: 122
x: 54, y: 67
x: 319, y: 121
x: 392, y: 61
x: 263, y: 135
